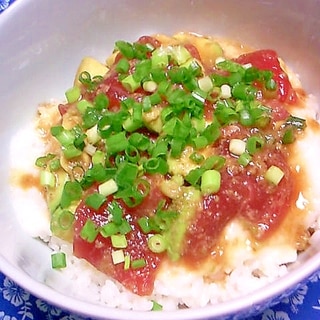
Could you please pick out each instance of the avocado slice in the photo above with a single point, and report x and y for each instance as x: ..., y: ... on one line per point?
x: 187, y: 208
x: 53, y: 195
x: 91, y: 65
x: 61, y: 223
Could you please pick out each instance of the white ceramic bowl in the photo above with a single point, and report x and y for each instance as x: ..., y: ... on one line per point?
x: 42, y: 43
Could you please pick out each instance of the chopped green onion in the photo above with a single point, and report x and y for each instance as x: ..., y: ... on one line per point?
x: 158, y: 74
x: 88, y: 82
x: 72, y: 191
x: 126, y: 262
x: 73, y: 94
x: 177, y: 146
x: 244, y: 159
x: 156, y: 165
x: 83, y: 104
x: 271, y: 85
x: 150, y: 86
x: 117, y: 256
x: 140, y: 141
x: 151, y: 100
x: 58, y: 260
x: 159, y: 58
x: 225, y: 91
x: 156, y: 306
x: 205, y: 84
x: 71, y: 152
x: 65, y: 137
x: 198, y: 124
x: 194, y: 67
x: 47, y: 179
x: 126, y: 174
x: 135, y: 122
x: 43, y: 161
x: 196, y: 157
x: 231, y: 66
x: 159, y: 149
x: 144, y: 224
x: 95, y: 200
x: 142, y: 186
x: 130, y: 195
x: 119, y: 241
x: 237, y: 146
x: 138, y: 263
x: 130, y: 83
x: 109, y: 229
x: 246, y: 117
x: 125, y: 48
x: 90, y: 117
x: 157, y: 243
x: 98, y: 157
x: 288, y: 136
x: 164, y: 87
x: 214, y: 162
x: 180, y: 54
x: 90, y: 149
x: 200, y: 142
x: 123, y: 66
x: 243, y: 92
x: 116, y: 211
x: 199, y: 95
x: 117, y: 143
x: 101, y: 101
x: 225, y: 114
x: 61, y: 222
x: 98, y: 173
x: 251, y: 73
x: 108, y: 187
x: 211, y: 132
x: 254, y: 144
x: 93, y: 135
x: 85, y: 78
x: 274, y: 175
x: 210, y: 182
x: 193, y: 177
x: 142, y: 71
x: 89, y: 231
x: 124, y: 227
x: 65, y: 219
x: 54, y: 165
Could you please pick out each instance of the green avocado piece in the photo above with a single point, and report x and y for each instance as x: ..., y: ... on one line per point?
x: 187, y: 208
x: 53, y: 195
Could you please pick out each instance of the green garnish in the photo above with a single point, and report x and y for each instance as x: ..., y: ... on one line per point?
x: 58, y: 260
x: 162, y: 113
x: 89, y: 231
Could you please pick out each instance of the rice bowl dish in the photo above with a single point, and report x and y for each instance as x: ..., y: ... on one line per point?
x: 192, y: 269
x: 176, y: 286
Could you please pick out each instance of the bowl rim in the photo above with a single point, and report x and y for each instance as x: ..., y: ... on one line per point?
x: 281, y: 287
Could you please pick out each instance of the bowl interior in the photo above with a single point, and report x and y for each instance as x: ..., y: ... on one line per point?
x: 38, y: 59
